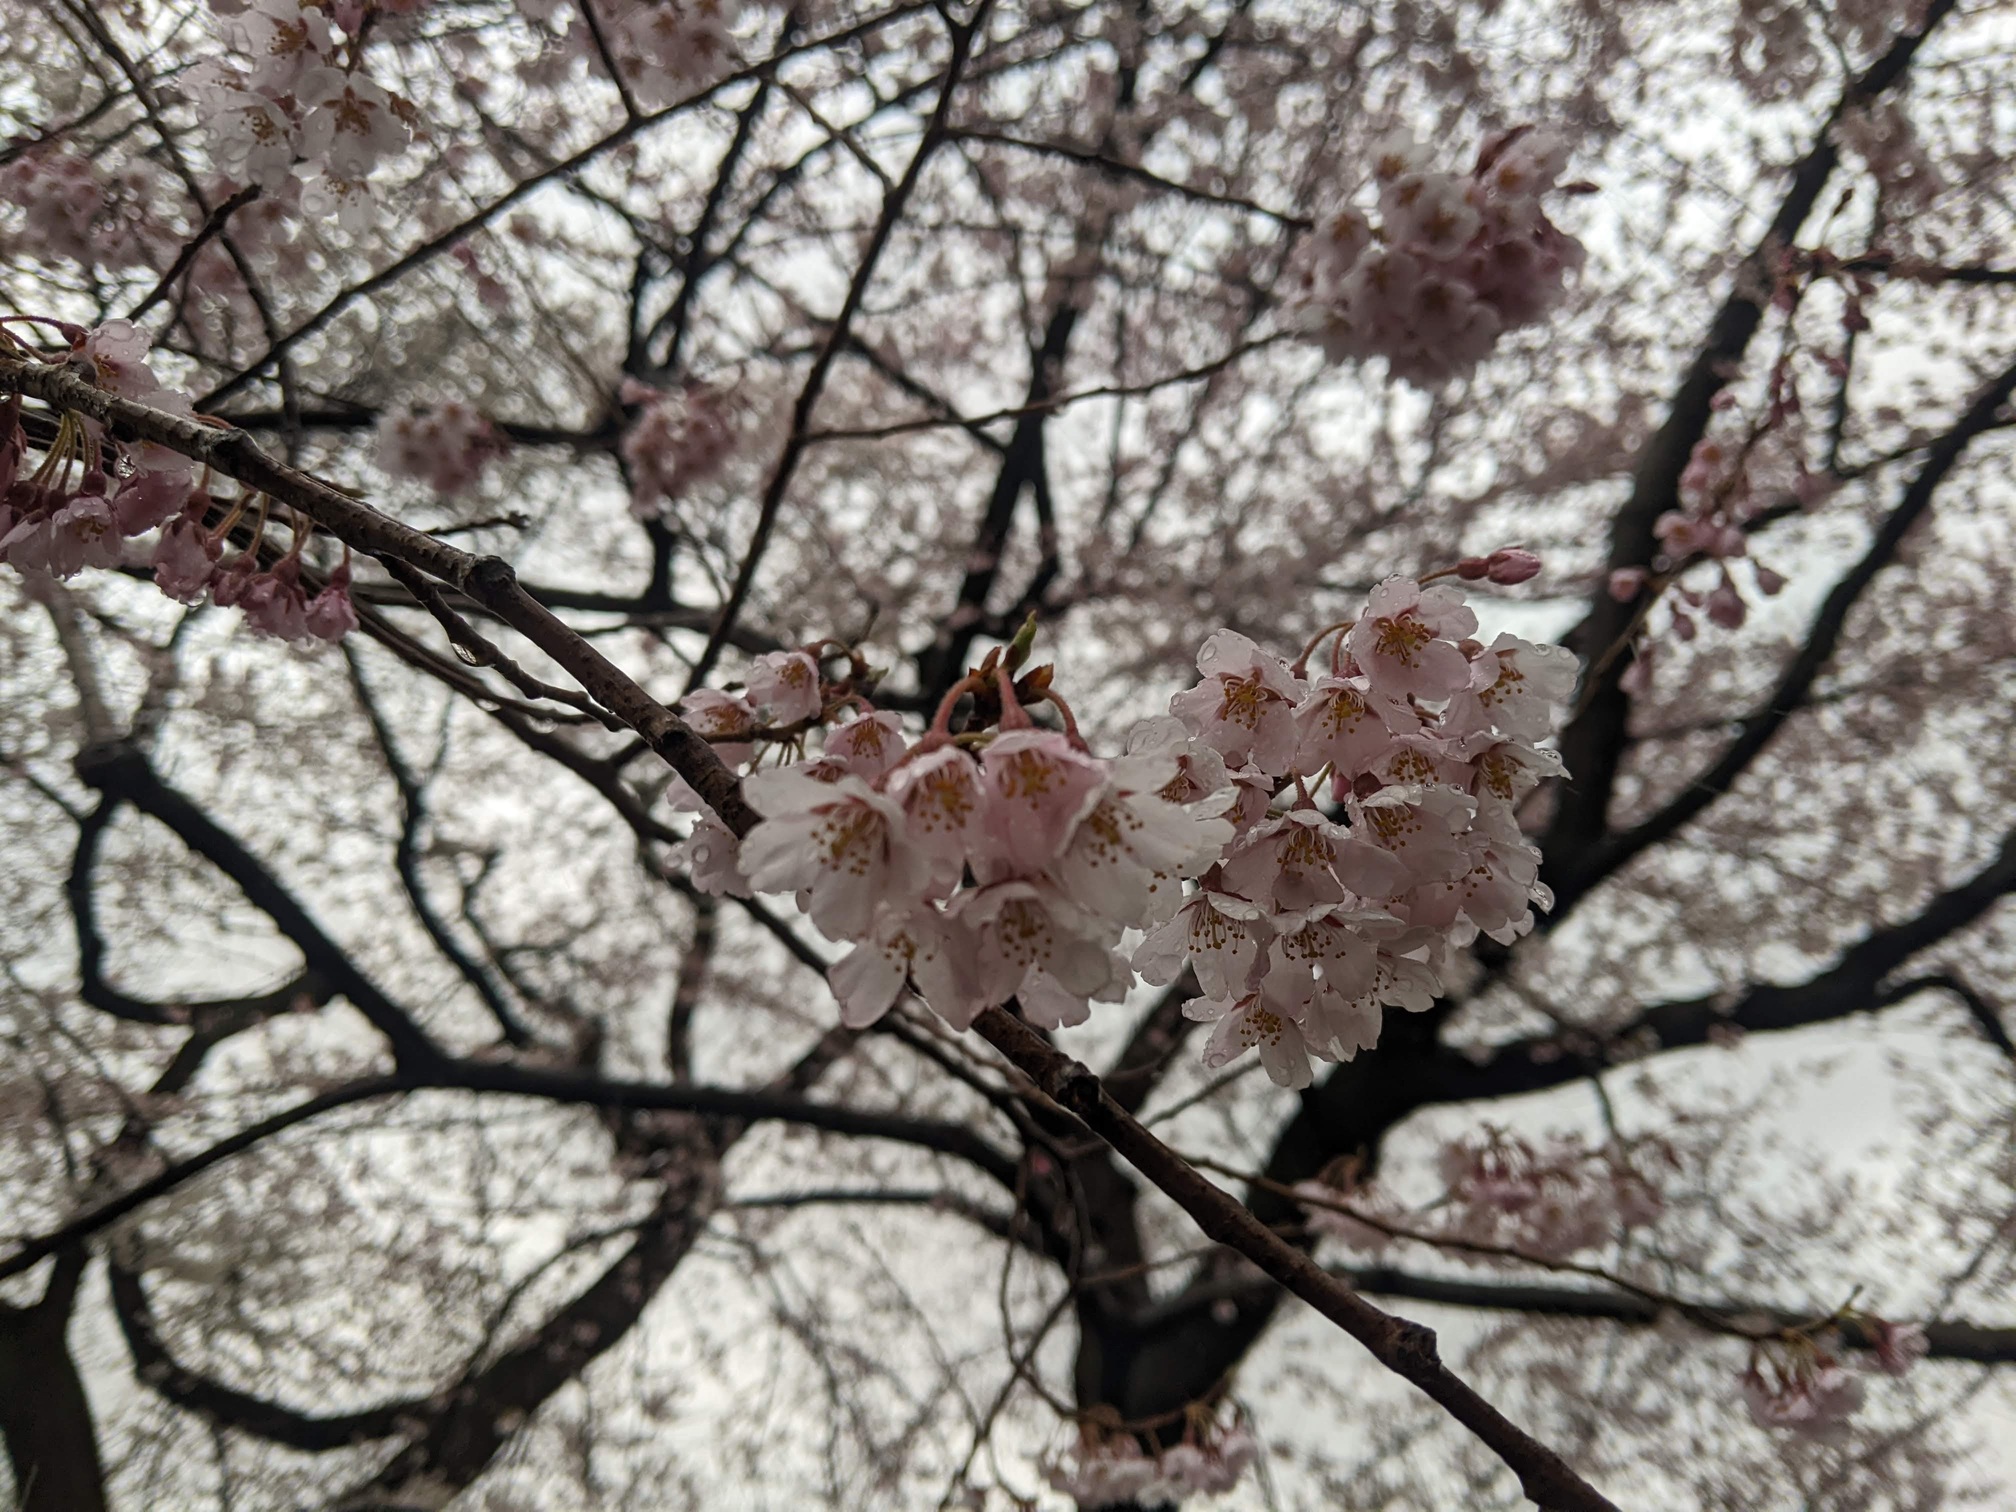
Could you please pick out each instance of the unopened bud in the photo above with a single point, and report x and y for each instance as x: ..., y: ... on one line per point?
x: 1726, y: 607
x: 1470, y: 569
x: 1024, y: 642
x: 1626, y: 583
x: 1512, y: 564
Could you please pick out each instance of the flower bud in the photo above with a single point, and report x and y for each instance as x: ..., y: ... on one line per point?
x: 1513, y: 564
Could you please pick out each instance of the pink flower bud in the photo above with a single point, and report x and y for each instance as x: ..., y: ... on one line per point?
x: 1684, y: 626
x: 1513, y: 564
x: 1626, y: 583
x: 1470, y: 569
x: 1769, y: 583
x: 1726, y: 607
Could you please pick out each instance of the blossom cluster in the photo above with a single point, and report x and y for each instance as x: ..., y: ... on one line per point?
x: 291, y: 100
x: 444, y: 446
x: 663, y: 49
x: 680, y: 437
x: 1802, y: 1385
x: 90, y: 494
x: 1310, y: 848
x: 1548, y: 1201
x: 1450, y: 263
x: 1112, y: 1468
x: 66, y: 207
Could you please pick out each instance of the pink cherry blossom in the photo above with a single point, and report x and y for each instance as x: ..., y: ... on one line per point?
x: 868, y: 747
x: 348, y: 123
x: 841, y: 845
x: 785, y: 685
x: 1423, y: 829
x: 1221, y: 936
x: 1898, y: 1346
x: 1405, y: 640
x: 721, y: 717
x: 61, y: 198
x: 1244, y: 708
x: 1039, y: 787
x: 1032, y: 944
x: 274, y: 603
x: 1809, y: 1395
x: 1200, y: 781
x: 1127, y: 857
x: 1346, y: 725
x: 185, y: 558
x: 331, y: 615
x: 286, y: 39
x: 1515, y: 688
x: 445, y: 446
x: 944, y: 803
x: 712, y: 857
x: 1300, y: 859
x: 678, y: 439
x: 907, y: 946
x: 1251, y: 1022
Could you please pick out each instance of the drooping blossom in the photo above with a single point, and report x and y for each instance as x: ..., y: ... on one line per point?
x: 839, y: 845
x: 1812, y: 1393
x: 905, y: 947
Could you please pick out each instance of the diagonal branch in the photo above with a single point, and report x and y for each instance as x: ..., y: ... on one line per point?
x: 1593, y: 743
x: 1582, y: 873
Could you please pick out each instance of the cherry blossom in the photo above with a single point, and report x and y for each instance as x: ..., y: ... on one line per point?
x: 1812, y: 1394
x: 1032, y: 944
x: 1245, y: 707
x: 1221, y: 935
x: 1039, y: 786
x: 348, y: 124
x: 840, y: 845
x: 679, y: 438
x: 1451, y: 263
x: 785, y: 685
x: 1252, y: 1021
x: 868, y: 747
x: 1405, y: 640
x: 445, y: 445
x: 905, y: 947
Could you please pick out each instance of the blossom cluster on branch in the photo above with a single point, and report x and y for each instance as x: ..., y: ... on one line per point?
x: 89, y: 493
x: 1311, y: 847
x: 1109, y: 1467
x: 1451, y: 262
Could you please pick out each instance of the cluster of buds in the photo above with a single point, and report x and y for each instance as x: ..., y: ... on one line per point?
x: 89, y: 495
x: 679, y: 438
x: 1310, y: 847
x: 1450, y: 264
x: 445, y: 445
x: 1109, y: 1466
